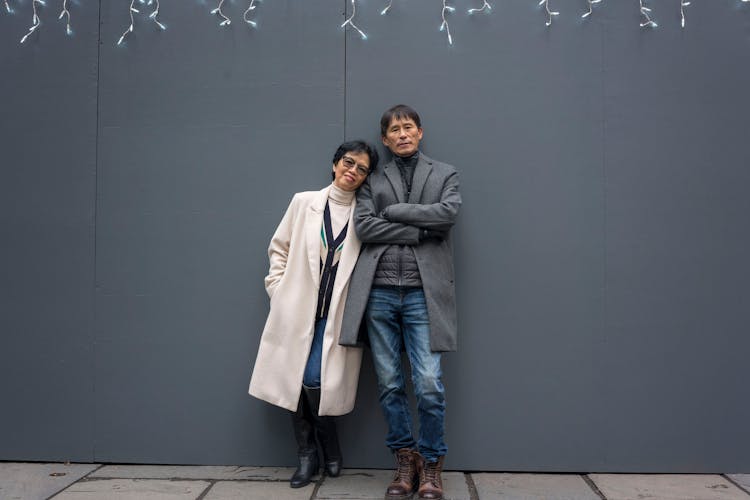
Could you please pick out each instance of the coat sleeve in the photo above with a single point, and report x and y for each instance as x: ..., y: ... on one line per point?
x: 434, y: 216
x: 372, y: 228
x: 278, y: 249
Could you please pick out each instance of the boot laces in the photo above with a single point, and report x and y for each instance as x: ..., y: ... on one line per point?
x: 430, y: 473
x: 405, y: 469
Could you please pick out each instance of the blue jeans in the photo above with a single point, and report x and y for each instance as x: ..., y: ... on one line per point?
x: 396, y: 318
x: 311, y: 378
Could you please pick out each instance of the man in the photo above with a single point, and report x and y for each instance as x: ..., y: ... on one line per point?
x: 402, y: 290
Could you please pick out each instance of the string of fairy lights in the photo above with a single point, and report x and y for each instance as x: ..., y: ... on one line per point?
x: 225, y: 21
x: 550, y: 13
x: 66, y: 13
x: 350, y: 21
x: 683, y: 4
x: 35, y: 21
x: 250, y: 8
x: 591, y: 8
x: 646, y: 15
x: 444, y: 25
x: 154, y: 16
x: 484, y: 8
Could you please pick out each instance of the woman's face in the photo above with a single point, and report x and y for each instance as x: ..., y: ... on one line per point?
x: 351, y: 170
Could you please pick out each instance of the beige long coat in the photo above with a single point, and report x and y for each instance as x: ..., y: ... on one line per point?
x: 292, y: 284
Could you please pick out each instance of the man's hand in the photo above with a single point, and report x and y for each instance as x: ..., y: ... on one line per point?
x: 432, y: 234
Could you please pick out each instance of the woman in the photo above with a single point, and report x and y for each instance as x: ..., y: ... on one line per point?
x: 300, y: 365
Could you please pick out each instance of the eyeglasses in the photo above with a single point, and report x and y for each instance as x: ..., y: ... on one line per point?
x: 349, y: 163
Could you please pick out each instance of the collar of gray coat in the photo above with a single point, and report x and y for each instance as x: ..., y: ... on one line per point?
x: 421, y: 172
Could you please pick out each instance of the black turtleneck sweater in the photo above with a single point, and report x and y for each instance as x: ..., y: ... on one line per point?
x: 406, y: 165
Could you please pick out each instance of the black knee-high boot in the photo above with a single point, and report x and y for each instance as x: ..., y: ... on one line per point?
x: 325, y: 430
x: 307, y: 451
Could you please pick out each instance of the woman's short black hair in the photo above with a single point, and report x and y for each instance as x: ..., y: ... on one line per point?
x: 398, y: 112
x: 356, y: 146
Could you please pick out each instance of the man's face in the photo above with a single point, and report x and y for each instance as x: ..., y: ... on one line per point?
x: 402, y: 137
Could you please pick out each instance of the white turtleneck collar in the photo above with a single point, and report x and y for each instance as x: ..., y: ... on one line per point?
x: 339, y: 196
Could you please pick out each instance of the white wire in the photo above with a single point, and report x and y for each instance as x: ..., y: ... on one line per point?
x: 130, y: 28
x: 244, y: 16
x: 486, y: 7
x: 591, y: 8
x: 66, y: 12
x: 153, y: 16
x: 683, y: 4
x: 550, y: 13
x: 350, y: 21
x: 35, y: 19
x: 647, y: 18
x: 444, y: 26
x: 217, y: 10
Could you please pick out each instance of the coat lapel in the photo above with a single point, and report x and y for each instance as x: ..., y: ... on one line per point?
x: 421, y: 172
x: 350, y: 253
x: 313, y: 225
x: 394, y: 177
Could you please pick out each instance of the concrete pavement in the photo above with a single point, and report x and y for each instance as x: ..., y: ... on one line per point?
x: 35, y: 481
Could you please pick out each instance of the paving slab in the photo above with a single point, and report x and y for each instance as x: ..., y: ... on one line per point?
x: 258, y: 490
x: 194, y: 472
x: 23, y: 481
x: 455, y: 486
x: 667, y: 487
x: 508, y: 486
x: 356, y: 483
x: 133, y: 489
x: 362, y: 484
x: 741, y: 479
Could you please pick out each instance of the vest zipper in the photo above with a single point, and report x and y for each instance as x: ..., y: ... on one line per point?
x: 400, y: 261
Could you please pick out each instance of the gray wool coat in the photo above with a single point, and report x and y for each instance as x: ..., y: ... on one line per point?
x: 383, y: 216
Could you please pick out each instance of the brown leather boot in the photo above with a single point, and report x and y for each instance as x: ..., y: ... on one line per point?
x: 430, y: 482
x: 405, y: 480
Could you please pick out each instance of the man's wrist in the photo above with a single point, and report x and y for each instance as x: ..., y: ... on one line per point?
x: 429, y: 234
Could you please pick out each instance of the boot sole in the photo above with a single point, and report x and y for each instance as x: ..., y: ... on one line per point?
x: 312, y: 479
x: 301, y: 485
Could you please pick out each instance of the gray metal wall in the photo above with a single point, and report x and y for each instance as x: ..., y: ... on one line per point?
x: 601, y: 252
